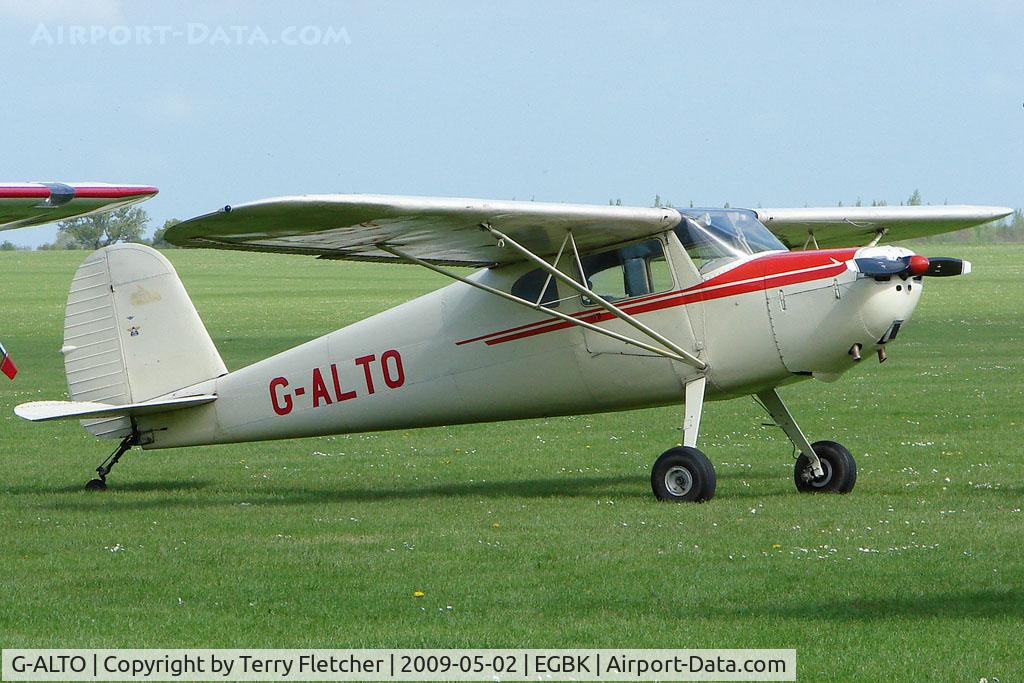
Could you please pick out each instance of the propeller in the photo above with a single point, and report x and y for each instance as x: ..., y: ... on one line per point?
x: 912, y: 266
x: 943, y: 266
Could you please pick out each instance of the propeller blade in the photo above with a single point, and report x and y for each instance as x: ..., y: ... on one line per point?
x: 942, y: 266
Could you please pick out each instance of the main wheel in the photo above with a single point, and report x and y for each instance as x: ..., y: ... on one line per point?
x: 838, y: 464
x: 683, y: 474
x: 96, y: 485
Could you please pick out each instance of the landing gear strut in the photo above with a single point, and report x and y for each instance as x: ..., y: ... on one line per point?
x: 100, y: 483
x: 824, y: 466
x: 684, y: 474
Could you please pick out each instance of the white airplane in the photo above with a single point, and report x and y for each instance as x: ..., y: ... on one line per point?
x: 28, y: 204
x: 575, y: 309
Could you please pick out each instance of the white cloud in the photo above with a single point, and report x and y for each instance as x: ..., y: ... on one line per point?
x: 63, y: 11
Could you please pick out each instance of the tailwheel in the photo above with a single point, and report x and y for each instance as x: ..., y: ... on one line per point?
x: 838, y: 466
x: 683, y: 474
x: 100, y: 483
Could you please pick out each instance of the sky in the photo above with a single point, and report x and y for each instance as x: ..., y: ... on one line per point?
x: 768, y: 103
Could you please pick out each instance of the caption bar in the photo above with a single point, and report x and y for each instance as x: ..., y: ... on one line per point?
x: 398, y: 665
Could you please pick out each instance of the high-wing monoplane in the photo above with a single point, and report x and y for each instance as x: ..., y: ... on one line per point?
x: 573, y: 309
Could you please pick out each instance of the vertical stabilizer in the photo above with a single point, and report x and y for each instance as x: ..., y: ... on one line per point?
x: 131, y: 333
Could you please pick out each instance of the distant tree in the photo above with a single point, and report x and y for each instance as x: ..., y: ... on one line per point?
x: 859, y: 202
x: 8, y: 246
x: 158, y: 236
x: 915, y: 199
x: 727, y: 206
x: 63, y: 241
x: 94, y: 232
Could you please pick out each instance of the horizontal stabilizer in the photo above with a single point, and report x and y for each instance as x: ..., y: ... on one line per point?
x: 38, y: 411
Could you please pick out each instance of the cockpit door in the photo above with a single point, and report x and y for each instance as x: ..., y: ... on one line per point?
x: 644, y: 280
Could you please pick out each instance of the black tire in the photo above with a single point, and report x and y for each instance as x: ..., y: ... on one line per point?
x: 683, y: 474
x: 96, y: 485
x: 838, y: 463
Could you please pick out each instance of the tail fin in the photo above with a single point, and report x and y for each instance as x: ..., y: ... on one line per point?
x: 131, y: 334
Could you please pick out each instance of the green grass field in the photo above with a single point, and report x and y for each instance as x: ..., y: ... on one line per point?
x: 539, y: 533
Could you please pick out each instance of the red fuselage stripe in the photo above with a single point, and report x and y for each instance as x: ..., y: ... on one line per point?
x: 776, y: 270
x: 683, y: 299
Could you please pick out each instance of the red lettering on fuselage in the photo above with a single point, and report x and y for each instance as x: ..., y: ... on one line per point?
x: 396, y: 377
x: 338, y: 393
x: 365, y: 362
x: 285, y: 406
x: 319, y: 389
x: 392, y: 371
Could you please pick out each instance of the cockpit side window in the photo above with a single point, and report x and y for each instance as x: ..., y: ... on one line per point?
x: 627, y: 272
x: 529, y: 287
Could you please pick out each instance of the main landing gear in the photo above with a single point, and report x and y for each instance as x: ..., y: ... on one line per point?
x: 100, y: 483
x: 684, y: 473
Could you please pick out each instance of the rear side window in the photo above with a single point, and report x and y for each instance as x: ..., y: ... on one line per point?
x: 529, y: 287
x: 627, y: 272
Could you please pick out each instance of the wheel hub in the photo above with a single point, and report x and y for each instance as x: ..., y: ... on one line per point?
x: 824, y: 479
x: 678, y: 481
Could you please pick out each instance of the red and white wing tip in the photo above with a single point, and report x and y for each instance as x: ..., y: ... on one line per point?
x: 110, y: 191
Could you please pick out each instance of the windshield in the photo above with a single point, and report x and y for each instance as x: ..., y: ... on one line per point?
x: 714, y: 237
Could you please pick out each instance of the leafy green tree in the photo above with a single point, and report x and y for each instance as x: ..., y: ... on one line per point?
x: 126, y: 224
x: 158, y: 236
x: 8, y: 246
x: 915, y: 199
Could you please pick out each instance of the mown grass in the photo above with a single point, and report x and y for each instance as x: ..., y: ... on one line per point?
x: 538, y: 533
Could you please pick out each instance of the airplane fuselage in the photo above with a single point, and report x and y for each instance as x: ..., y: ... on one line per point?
x: 459, y: 355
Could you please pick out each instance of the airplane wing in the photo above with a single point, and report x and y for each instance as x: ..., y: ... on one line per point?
x: 437, y: 230
x: 446, y: 230
x: 858, y: 225
x: 27, y: 204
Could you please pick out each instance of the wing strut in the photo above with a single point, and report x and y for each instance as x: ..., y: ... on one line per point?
x: 537, y: 306
x: 505, y: 240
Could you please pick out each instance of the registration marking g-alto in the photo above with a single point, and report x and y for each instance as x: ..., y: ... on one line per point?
x: 335, y: 383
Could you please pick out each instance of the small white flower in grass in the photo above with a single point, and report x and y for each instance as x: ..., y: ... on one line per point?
x: 116, y: 548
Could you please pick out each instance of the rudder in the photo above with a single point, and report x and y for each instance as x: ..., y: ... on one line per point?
x: 131, y: 333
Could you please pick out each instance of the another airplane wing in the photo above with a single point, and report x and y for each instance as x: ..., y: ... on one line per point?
x: 27, y: 204
x: 858, y: 225
x: 437, y: 230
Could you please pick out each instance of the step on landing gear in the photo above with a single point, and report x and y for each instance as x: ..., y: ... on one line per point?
x: 100, y: 483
